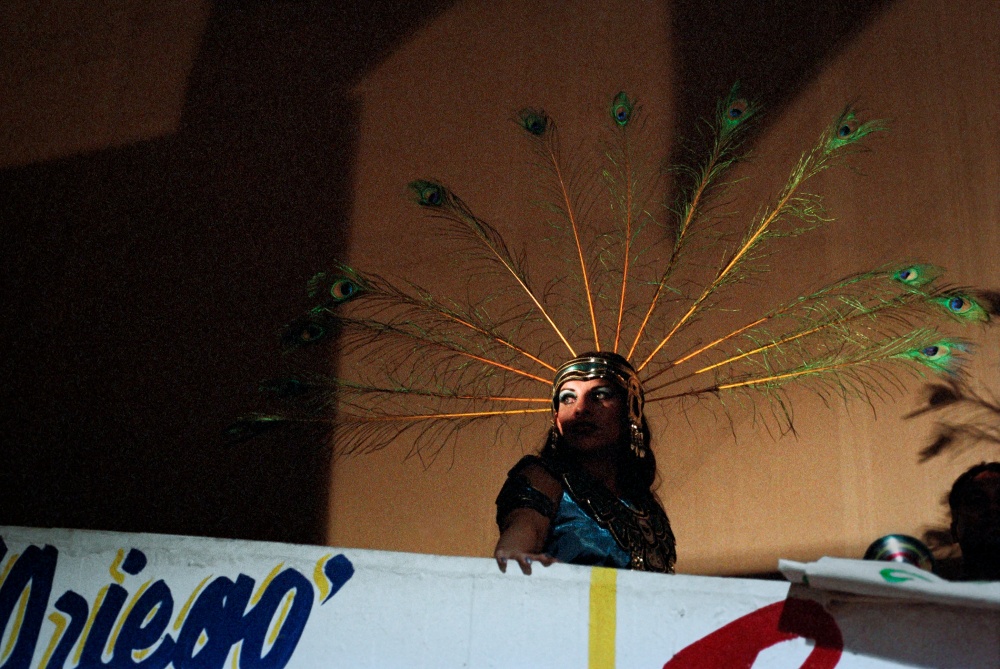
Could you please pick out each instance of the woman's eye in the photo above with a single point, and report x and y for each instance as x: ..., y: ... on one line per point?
x: 603, y: 394
x: 566, y: 397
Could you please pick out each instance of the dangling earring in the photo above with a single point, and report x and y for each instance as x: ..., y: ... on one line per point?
x: 553, y: 440
x: 636, y: 442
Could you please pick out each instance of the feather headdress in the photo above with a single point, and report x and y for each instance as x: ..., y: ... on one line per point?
x: 644, y: 278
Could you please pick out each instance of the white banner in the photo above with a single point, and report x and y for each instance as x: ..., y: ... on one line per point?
x: 96, y: 599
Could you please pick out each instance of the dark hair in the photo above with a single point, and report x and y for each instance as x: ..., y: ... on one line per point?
x: 960, y: 489
x: 637, y: 474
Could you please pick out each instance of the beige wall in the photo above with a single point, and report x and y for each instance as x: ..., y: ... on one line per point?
x: 440, y: 107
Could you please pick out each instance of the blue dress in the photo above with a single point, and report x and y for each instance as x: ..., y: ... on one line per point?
x: 588, y: 524
x: 578, y: 539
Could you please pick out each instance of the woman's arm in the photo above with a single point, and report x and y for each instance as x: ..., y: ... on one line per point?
x: 523, y: 540
x: 525, y: 507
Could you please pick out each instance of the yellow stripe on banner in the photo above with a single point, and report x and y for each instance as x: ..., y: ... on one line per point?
x: 603, y: 609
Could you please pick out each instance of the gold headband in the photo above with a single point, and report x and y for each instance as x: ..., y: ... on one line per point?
x: 603, y: 366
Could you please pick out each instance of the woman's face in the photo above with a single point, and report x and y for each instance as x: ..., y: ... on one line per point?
x: 591, y: 415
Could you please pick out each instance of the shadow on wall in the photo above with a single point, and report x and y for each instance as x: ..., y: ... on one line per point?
x: 968, y: 416
x: 773, y: 49
x: 146, y: 285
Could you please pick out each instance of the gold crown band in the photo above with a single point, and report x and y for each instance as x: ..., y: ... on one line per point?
x: 602, y: 366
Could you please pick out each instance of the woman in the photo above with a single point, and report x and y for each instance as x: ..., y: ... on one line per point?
x: 586, y: 498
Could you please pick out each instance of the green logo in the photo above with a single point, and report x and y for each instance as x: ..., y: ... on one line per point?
x: 901, y: 576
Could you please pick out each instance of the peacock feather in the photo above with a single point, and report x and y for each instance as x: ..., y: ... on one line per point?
x: 653, y: 259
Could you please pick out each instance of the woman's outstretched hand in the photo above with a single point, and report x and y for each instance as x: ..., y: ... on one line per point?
x: 525, y: 560
x: 524, y: 530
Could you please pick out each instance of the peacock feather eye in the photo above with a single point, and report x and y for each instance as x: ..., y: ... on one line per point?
x: 306, y: 330
x: 916, y: 275
x: 535, y: 121
x: 343, y: 290
x: 736, y: 110
x: 733, y: 111
x: 942, y: 357
x: 621, y: 109
x: 964, y: 307
x: 847, y: 130
x: 959, y: 305
x: 310, y: 332
x: 429, y: 194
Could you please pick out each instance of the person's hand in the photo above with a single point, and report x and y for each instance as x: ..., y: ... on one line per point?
x: 523, y: 559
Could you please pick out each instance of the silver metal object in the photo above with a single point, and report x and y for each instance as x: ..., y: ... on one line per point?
x: 901, y: 548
